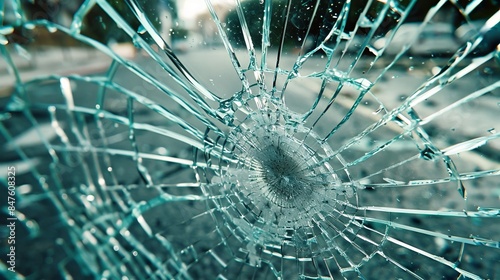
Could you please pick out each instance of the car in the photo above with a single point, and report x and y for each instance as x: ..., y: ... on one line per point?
x: 431, y: 39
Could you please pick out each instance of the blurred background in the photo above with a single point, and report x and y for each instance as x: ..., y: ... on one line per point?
x: 42, y: 41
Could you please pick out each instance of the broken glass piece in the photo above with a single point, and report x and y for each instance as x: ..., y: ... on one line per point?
x: 231, y: 139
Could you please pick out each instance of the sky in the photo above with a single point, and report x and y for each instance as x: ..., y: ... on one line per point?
x: 189, y: 9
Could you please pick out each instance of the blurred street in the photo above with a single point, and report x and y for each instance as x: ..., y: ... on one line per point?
x: 214, y: 70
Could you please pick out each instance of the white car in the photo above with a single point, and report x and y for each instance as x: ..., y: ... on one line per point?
x: 434, y: 38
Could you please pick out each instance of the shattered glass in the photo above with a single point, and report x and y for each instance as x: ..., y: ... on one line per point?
x: 271, y: 139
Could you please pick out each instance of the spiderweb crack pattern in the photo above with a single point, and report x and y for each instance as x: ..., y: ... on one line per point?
x: 295, y: 139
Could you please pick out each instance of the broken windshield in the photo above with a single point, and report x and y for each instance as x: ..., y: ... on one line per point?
x: 245, y: 139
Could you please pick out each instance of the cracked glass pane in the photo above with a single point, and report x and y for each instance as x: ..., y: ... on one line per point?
x: 233, y: 139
